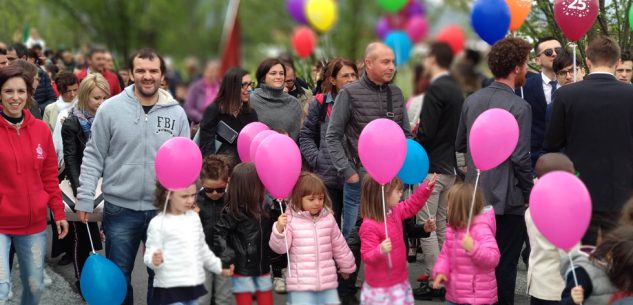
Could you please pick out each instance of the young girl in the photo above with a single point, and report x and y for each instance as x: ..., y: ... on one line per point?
x: 210, y: 201
x: 386, y: 284
x: 310, y: 228
x: 467, y: 262
x: 242, y: 234
x: 176, y: 250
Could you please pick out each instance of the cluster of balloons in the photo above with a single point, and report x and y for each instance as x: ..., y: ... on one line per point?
x: 403, y: 25
x: 276, y: 156
x: 319, y: 14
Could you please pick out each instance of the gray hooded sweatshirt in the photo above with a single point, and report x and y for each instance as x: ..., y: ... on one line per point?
x: 122, y: 148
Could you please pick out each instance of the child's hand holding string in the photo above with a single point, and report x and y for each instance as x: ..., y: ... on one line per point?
x: 468, y: 243
x: 431, y: 183
x: 385, y: 246
x: 439, y: 279
x: 157, y: 258
x: 228, y: 272
x: 281, y: 222
x: 578, y: 294
x: 430, y: 226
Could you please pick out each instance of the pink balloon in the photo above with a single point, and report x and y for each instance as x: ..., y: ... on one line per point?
x: 575, y: 17
x: 560, y: 205
x: 493, y: 138
x: 382, y: 148
x: 178, y: 163
x: 278, y: 164
x: 417, y: 28
x: 259, y: 138
x: 246, y: 137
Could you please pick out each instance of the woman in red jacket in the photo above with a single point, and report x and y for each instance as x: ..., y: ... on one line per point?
x: 28, y: 186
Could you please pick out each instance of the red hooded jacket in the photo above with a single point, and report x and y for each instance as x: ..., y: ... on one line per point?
x: 28, y: 183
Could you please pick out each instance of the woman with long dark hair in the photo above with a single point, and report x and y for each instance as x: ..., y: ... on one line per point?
x: 227, y: 115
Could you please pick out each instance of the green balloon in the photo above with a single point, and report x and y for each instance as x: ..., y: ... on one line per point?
x: 392, y: 6
x: 631, y: 16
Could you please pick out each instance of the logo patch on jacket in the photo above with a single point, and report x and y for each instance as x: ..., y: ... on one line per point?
x: 165, y: 124
x: 39, y: 152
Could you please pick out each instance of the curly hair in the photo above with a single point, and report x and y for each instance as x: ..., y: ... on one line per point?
x: 506, y: 55
x: 217, y: 167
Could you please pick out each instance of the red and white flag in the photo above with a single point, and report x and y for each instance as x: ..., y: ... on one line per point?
x: 230, y: 43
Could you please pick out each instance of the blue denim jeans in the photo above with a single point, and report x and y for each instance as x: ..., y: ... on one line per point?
x: 124, y: 230
x: 351, y: 203
x: 31, y: 250
x: 192, y: 302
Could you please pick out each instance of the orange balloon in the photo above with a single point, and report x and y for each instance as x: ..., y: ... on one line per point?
x: 519, y: 10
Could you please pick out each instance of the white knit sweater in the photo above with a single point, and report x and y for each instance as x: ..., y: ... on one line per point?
x: 185, y: 252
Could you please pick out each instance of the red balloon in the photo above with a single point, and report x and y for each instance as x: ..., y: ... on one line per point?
x: 453, y: 36
x: 575, y: 17
x: 304, y: 41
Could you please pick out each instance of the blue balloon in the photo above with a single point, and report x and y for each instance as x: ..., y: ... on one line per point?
x: 416, y: 164
x: 102, y: 282
x: 401, y: 45
x: 491, y: 19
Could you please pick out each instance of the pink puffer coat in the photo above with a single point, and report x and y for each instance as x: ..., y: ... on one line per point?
x: 314, y: 246
x: 471, y: 275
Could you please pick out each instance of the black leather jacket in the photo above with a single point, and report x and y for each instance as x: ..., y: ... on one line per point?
x: 244, y: 242
x: 74, y: 142
x: 210, y: 211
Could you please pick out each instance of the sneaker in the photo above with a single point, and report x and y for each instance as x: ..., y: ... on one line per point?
x: 279, y: 285
x: 47, y: 279
x: 424, y: 292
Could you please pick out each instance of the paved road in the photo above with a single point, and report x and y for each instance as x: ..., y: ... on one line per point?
x: 63, y: 291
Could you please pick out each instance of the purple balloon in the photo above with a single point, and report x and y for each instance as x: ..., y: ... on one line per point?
x: 296, y: 10
x: 382, y: 28
x: 415, y: 8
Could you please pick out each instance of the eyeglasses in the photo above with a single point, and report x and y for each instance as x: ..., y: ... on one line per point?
x: 248, y: 84
x: 550, y: 52
x: 219, y: 190
x: 562, y: 73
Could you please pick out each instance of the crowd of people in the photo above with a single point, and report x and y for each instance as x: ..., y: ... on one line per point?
x: 224, y: 240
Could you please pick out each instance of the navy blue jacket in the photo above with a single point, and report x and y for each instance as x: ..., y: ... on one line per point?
x: 534, y: 95
x: 44, y: 94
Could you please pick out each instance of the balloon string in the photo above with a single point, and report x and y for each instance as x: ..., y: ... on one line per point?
x: 472, y: 203
x: 90, y: 238
x: 285, y: 237
x: 384, y: 215
x: 573, y: 270
x: 162, y: 221
x: 522, y: 92
x: 573, y: 46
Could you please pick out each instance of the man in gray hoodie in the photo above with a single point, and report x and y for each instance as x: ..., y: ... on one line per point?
x: 127, y: 132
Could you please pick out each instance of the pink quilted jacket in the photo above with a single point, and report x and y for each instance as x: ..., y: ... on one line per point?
x: 471, y: 275
x: 314, y: 246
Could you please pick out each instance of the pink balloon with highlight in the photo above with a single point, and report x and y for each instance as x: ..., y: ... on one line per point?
x: 259, y: 138
x: 493, y: 137
x: 278, y: 164
x: 382, y: 149
x: 178, y: 163
x: 416, y: 28
x: 246, y: 137
x: 560, y: 205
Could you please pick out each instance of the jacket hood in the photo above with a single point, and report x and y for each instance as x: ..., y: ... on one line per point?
x: 306, y: 215
x: 164, y: 100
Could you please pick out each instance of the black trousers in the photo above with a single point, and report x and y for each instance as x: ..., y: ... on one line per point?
x: 601, y: 224
x: 336, y: 196
x: 510, y: 236
x: 537, y: 301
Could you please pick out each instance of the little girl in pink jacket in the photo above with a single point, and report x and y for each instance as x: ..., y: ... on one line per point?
x: 315, y: 242
x: 467, y: 262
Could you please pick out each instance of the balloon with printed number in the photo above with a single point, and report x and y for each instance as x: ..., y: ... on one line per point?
x: 575, y: 17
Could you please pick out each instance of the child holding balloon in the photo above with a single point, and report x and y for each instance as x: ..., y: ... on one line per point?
x: 384, y: 255
x: 309, y: 227
x: 469, y: 256
x: 176, y: 249
x: 242, y: 234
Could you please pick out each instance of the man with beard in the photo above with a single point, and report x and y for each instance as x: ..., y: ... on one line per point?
x: 506, y: 187
x: 97, y: 62
x: 127, y: 132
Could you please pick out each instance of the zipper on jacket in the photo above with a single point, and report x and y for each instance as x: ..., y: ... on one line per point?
x: 318, y: 254
x: 144, y: 152
x: 17, y: 128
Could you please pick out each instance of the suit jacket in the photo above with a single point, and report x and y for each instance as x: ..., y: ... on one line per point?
x: 438, y: 123
x: 592, y: 122
x: 534, y: 95
x: 506, y: 187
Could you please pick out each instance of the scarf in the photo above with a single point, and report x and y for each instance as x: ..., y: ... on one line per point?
x: 85, y: 120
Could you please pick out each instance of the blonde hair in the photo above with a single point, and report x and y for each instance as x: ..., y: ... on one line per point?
x: 459, y: 198
x: 308, y: 184
x: 371, y: 197
x: 95, y: 80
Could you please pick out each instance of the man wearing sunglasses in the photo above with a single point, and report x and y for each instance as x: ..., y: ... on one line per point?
x: 539, y: 90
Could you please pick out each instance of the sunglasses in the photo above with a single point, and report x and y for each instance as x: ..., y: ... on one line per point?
x: 219, y: 190
x: 248, y: 84
x: 550, y: 52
